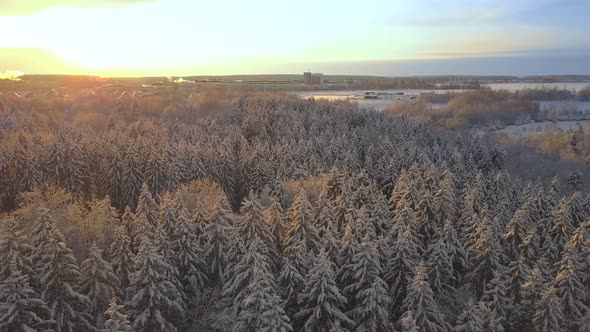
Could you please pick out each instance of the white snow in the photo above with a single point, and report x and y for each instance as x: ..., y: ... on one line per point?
x: 519, y: 131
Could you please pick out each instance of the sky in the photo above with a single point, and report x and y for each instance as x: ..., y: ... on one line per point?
x: 221, y: 37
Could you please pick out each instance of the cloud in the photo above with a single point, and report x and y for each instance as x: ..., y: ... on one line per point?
x: 456, y: 19
x: 565, y: 52
x: 24, y: 7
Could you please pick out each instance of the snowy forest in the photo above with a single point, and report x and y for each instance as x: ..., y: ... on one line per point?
x: 279, y: 214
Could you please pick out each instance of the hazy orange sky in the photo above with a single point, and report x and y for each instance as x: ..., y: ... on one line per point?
x: 181, y: 37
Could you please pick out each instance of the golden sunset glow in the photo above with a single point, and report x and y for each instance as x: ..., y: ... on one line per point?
x: 229, y: 36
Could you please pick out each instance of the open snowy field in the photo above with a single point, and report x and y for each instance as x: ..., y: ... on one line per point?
x: 520, y: 131
x: 523, y: 86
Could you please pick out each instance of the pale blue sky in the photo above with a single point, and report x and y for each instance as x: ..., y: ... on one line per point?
x: 181, y: 37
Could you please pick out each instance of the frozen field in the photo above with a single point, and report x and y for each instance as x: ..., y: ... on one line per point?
x: 522, y: 86
x: 380, y: 104
x: 520, y: 131
x: 560, y: 105
x: 357, y: 96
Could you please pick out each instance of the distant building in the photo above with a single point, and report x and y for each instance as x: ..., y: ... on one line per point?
x: 371, y: 95
x: 310, y: 78
x: 307, y: 78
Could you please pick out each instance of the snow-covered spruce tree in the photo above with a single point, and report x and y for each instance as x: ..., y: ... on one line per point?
x: 488, y: 257
x: 198, y: 222
x: 301, y: 225
x: 426, y: 219
x: 217, y: 235
x: 476, y: 194
x: 379, y: 215
x: 333, y: 185
x: 342, y: 206
x: 405, y: 220
x: 42, y: 230
x: 372, y: 314
x: 275, y: 219
x: 367, y: 293
x: 13, y: 248
x: 470, y: 319
x: 580, y: 237
x: 408, y: 323
x: 530, y: 249
x: 549, y: 315
x: 456, y: 252
x: 539, y: 207
x: 242, y: 273
x: 517, y: 274
x: 321, y: 301
x: 492, y: 321
x: 420, y: 300
x: 440, y: 268
x: 251, y: 225
x: 226, y: 175
x: 60, y: 274
x: 122, y: 258
x: 21, y: 309
x: 175, y: 171
x: 399, y: 269
x: 55, y: 168
x: 467, y: 226
x: 189, y: 257
x: 331, y: 244
x: 504, y: 212
x: 570, y: 290
x: 401, y: 188
x: 409, y: 200
x: 579, y: 243
x: 98, y: 283
x: 78, y: 169
x: 324, y: 214
x: 237, y: 250
x: 147, y: 207
x: 113, y: 174
x: 166, y: 227
x: 586, y: 205
x: 497, y: 157
x: 290, y: 283
x: 481, y: 226
x: 26, y: 174
x: 277, y: 193
x: 349, y: 246
x: 166, y: 235
x: 261, y: 307
x: 134, y: 228
x: 117, y: 320
x: 532, y: 292
x: 154, y: 304
x: 360, y: 194
x: 516, y: 230
x: 576, y: 209
x: 554, y: 193
x: 559, y: 232
x: 576, y: 180
x: 132, y: 177
x: 495, y: 299
x: 445, y: 199
x: 155, y: 173
x: 259, y: 173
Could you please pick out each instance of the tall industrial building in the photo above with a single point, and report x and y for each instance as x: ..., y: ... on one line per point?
x: 307, y: 78
x: 310, y: 78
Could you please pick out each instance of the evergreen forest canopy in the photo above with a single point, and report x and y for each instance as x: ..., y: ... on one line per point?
x: 278, y: 214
